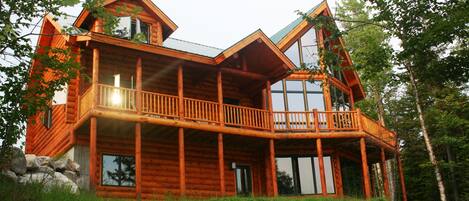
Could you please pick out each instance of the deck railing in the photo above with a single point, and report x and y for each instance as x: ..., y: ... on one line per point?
x: 375, y: 129
x: 200, y: 110
x: 85, y: 102
x: 162, y: 105
x: 167, y: 106
x: 316, y: 121
x: 246, y: 117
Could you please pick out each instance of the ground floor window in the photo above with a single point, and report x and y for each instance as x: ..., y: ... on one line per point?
x: 300, y: 175
x: 118, y: 170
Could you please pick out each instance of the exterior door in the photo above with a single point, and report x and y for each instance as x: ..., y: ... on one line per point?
x: 243, y: 180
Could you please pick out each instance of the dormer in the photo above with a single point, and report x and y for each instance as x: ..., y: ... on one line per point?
x: 139, y: 20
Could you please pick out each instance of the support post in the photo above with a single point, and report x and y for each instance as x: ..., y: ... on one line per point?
x: 401, y: 175
x: 220, y: 98
x: 221, y: 164
x: 338, y: 175
x: 94, y: 78
x: 138, y: 130
x: 269, y: 105
x: 93, y: 154
x: 384, y: 173
x: 366, y: 174
x: 138, y: 160
x: 273, y: 167
x: 159, y: 34
x: 181, y: 92
x: 182, y: 163
x: 322, y: 173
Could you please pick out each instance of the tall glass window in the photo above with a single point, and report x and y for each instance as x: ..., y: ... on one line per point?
x: 295, y: 96
x: 309, y: 48
x: 304, y: 50
x: 293, y: 53
x: 339, y: 99
x: 300, y: 175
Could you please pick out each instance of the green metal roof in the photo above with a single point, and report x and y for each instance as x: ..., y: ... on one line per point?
x: 277, y: 37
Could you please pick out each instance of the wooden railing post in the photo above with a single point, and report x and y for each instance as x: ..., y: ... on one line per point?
x: 359, y: 120
x: 316, y: 120
x: 365, y: 171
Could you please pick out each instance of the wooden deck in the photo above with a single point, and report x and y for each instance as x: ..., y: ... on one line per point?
x: 163, y: 106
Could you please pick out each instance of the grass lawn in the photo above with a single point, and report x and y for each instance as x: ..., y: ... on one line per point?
x: 12, y: 191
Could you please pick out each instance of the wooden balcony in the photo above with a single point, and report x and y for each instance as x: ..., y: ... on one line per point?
x: 158, y: 105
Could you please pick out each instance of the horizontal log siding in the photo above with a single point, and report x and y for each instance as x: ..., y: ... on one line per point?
x: 52, y: 141
x: 160, y: 167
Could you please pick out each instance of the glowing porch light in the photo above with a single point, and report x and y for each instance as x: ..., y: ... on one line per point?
x: 116, y: 97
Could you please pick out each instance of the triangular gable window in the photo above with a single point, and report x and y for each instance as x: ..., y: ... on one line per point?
x: 308, y: 53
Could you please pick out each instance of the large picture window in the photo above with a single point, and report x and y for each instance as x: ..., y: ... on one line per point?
x: 300, y: 175
x: 118, y: 170
x: 304, y: 50
x: 300, y: 95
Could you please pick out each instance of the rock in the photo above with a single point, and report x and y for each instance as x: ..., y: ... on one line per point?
x: 50, y: 180
x: 71, y: 175
x: 72, y: 166
x: 59, y: 164
x: 45, y: 169
x: 17, y: 161
x: 10, y: 174
x: 43, y: 160
x: 31, y: 162
x: 62, y: 181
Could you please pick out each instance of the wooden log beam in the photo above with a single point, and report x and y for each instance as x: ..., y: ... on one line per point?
x: 138, y: 85
x: 401, y: 176
x: 269, y: 105
x: 182, y: 163
x: 338, y: 172
x: 181, y: 92
x: 245, y: 74
x: 220, y: 98
x: 322, y: 174
x: 366, y: 174
x: 221, y: 164
x: 138, y: 161
x: 384, y: 173
x: 95, y: 77
x: 93, y: 154
x: 273, y: 167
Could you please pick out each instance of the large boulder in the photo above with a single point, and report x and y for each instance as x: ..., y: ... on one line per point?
x: 72, y: 166
x: 17, y: 161
x: 45, y: 169
x: 71, y: 175
x: 31, y: 162
x: 10, y: 174
x: 59, y: 164
x: 55, y: 179
x: 43, y: 160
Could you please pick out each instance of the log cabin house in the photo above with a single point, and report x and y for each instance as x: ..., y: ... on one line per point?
x: 164, y: 116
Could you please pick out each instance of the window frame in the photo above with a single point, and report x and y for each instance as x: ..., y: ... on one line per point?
x: 102, y: 170
x: 300, y: 45
x: 47, y: 117
x: 296, y: 174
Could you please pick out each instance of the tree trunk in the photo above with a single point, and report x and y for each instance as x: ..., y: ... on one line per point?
x: 380, y: 106
x: 454, y: 184
x: 426, y: 137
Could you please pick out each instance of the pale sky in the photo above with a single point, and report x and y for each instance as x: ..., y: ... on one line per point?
x: 221, y: 23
